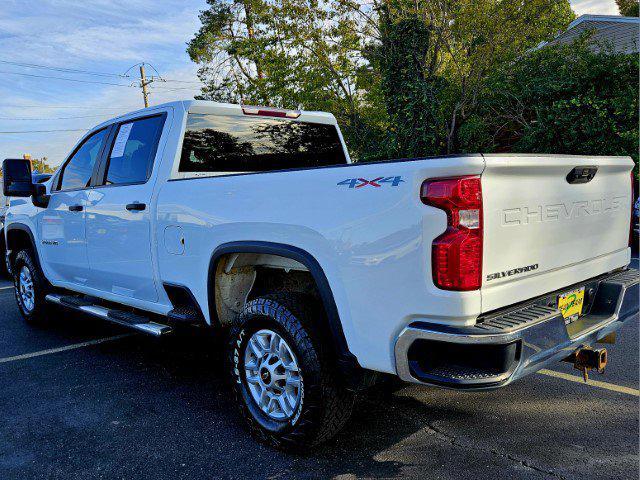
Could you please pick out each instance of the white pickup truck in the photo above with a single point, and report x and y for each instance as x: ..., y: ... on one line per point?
x: 465, y: 271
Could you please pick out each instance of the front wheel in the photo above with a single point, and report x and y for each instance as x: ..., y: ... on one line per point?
x: 31, y: 288
x: 283, y: 382
x: 4, y: 262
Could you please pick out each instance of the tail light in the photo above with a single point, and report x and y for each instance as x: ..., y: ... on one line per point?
x: 457, y: 253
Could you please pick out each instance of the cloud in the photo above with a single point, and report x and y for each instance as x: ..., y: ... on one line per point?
x: 595, y: 7
x: 70, y: 32
x: 96, y: 35
x: 108, y: 103
x: 129, y: 40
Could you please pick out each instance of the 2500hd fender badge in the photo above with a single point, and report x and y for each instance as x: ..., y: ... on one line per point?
x: 376, y: 182
x: 509, y: 273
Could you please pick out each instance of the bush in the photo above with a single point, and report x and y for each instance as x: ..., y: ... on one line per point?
x: 564, y: 99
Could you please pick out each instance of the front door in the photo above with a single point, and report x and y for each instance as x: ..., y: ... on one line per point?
x: 119, y: 213
x: 62, y: 223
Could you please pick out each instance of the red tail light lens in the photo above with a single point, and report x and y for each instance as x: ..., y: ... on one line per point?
x: 457, y: 253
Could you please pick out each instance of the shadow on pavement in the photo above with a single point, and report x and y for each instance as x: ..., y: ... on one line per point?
x: 145, y: 408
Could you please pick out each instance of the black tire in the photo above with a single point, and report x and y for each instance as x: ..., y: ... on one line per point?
x: 41, y: 287
x: 324, y: 406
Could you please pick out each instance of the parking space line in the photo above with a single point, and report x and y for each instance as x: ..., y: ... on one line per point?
x: 592, y: 383
x: 65, y: 348
x: 6, y: 288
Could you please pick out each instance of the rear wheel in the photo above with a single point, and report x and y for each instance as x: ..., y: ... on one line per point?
x: 31, y: 287
x: 273, y: 375
x: 283, y: 382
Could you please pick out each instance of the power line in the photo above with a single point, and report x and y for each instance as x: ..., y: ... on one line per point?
x: 47, y: 131
x: 144, y: 81
x: 181, y: 81
x: 143, y: 84
x: 64, y: 69
x: 160, y: 89
x: 67, y: 79
x: 52, y: 118
x: 60, y: 106
x: 143, y: 64
x: 90, y: 72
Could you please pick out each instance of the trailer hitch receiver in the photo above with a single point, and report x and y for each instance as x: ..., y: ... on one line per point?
x: 586, y: 359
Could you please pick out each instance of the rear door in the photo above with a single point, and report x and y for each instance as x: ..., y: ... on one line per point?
x: 62, y: 223
x: 552, y: 221
x: 119, y: 214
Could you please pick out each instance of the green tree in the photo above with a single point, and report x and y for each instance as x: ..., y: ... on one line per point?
x: 411, y: 91
x: 42, y: 165
x: 564, y: 99
x: 476, y: 37
x: 629, y: 8
x: 286, y: 53
x: 425, y: 77
x: 434, y: 58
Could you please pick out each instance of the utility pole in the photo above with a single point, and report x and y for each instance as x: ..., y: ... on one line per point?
x: 143, y: 83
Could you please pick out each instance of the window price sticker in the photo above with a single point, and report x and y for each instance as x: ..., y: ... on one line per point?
x: 121, y: 140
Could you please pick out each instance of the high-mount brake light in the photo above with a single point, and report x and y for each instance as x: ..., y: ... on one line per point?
x: 270, y: 112
x: 457, y: 254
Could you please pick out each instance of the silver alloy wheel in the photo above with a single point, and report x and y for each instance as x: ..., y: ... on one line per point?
x: 272, y: 374
x: 26, y: 290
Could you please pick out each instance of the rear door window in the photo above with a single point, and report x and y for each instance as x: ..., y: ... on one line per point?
x: 236, y: 144
x: 134, y: 147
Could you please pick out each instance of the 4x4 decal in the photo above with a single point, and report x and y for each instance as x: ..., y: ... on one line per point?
x: 376, y: 182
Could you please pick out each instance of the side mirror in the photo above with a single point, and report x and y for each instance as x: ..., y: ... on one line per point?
x: 17, y: 178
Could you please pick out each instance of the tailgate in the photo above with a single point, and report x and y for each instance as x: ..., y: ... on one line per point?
x: 544, y: 231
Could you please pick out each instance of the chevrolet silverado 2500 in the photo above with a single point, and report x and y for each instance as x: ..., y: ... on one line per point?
x: 464, y: 272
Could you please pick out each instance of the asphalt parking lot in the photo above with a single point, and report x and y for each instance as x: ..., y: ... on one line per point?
x: 75, y: 402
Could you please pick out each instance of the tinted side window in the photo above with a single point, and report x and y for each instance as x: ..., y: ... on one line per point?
x: 215, y: 143
x: 78, y: 170
x: 133, y: 150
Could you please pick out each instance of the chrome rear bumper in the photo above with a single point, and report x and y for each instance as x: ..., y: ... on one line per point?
x: 514, y: 342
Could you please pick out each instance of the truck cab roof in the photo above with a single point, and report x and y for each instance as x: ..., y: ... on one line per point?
x: 230, y: 109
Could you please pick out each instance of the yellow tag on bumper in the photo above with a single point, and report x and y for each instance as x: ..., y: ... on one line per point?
x: 570, y: 304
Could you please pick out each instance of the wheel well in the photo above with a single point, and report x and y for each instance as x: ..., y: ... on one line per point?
x: 240, y: 277
x: 18, y: 239
x: 272, y: 267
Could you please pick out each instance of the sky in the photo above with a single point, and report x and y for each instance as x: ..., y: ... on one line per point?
x: 105, y: 37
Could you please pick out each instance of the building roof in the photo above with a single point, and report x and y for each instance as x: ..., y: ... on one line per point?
x: 620, y: 33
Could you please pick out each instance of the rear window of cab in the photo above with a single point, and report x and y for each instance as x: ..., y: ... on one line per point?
x: 236, y: 144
